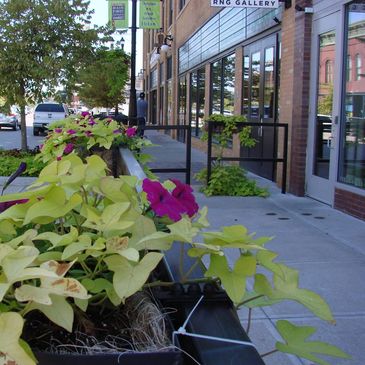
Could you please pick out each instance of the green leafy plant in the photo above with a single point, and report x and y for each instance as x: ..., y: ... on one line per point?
x: 11, y: 159
x: 83, y: 133
x: 78, y: 240
x: 229, y: 180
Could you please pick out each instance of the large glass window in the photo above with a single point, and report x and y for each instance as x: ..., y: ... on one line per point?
x: 197, y: 90
x: 182, y: 107
x: 352, y: 153
x: 246, y: 86
x: 222, y: 86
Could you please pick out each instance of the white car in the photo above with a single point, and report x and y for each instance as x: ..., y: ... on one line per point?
x: 46, y: 113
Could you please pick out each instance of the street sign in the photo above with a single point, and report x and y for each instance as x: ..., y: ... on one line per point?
x: 149, y: 14
x: 268, y: 4
x: 118, y: 13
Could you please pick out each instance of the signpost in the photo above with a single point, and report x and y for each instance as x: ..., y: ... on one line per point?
x: 267, y: 4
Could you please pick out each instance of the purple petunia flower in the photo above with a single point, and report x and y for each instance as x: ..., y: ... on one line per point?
x: 92, y: 122
x: 59, y: 158
x: 88, y: 133
x: 131, y: 132
x: 69, y: 148
x: 7, y: 205
x: 71, y: 131
x: 183, y: 193
x: 58, y: 130
x: 85, y: 114
x: 162, y: 202
x: 117, y: 131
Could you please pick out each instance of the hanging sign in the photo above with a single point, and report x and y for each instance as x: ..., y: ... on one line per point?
x: 149, y: 14
x: 118, y: 13
x: 268, y: 4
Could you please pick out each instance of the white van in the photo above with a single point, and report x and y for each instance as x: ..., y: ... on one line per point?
x: 46, y: 113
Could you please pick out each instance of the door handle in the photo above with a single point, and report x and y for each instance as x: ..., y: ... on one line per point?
x: 260, y: 128
x: 329, y: 142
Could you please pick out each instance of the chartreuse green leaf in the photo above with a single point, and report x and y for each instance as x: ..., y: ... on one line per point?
x: 4, y: 287
x: 112, y: 189
x: 59, y: 240
x: 5, y: 249
x: 110, y: 220
x: 59, y: 312
x: 47, y: 256
x: 53, y: 206
x: 233, y: 281
x: 25, y: 195
x: 96, y: 168
x: 202, y: 221
x: 52, y: 172
x: 183, y: 230
x: 11, y: 327
x: 265, y: 259
x: 235, y: 237
x: 96, y: 286
x: 129, y: 277
x: 201, y: 249
x: 26, y: 238
x: 6, y: 229
x: 83, y: 243
x: 296, y: 343
x: 27, y: 293
x: 286, y: 287
x: 120, y: 246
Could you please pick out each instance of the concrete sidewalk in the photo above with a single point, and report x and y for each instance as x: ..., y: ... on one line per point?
x: 325, y: 245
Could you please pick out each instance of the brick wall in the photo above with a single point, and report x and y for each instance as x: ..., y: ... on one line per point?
x: 350, y: 203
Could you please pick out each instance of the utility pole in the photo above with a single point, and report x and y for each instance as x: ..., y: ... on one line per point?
x: 132, y: 96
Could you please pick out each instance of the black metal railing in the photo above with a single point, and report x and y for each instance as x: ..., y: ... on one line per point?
x: 187, y: 128
x: 275, y: 160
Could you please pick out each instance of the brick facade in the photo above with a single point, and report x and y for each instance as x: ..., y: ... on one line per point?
x: 350, y: 203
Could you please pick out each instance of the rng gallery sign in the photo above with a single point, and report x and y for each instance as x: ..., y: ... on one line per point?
x: 268, y: 4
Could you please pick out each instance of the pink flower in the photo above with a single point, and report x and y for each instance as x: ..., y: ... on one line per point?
x: 58, y: 130
x: 71, y: 131
x: 59, y: 158
x: 7, y: 205
x: 183, y: 193
x: 88, y: 133
x: 68, y: 149
x: 85, y: 114
x: 131, y: 132
x: 92, y: 122
x: 117, y: 131
x: 162, y: 202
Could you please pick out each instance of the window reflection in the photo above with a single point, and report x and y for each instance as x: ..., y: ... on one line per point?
x: 216, y: 87
x: 352, y: 161
x: 269, y: 83
x: 255, y: 85
x: 246, y: 77
x: 324, y: 104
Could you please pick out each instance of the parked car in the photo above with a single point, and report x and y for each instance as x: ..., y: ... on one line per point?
x: 9, y: 121
x: 46, y: 113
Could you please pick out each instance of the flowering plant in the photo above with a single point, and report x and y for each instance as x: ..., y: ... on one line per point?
x: 77, y: 240
x: 80, y: 134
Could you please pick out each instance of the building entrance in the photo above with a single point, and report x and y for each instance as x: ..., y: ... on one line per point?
x: 260, y: 89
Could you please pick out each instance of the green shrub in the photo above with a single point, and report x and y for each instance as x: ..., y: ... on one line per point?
x: 11, y: 159
x: 230, y: 181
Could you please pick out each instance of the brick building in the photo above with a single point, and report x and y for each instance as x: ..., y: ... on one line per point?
x: 301, y: 64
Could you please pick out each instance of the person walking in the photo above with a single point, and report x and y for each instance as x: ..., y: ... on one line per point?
x: 142, y: 107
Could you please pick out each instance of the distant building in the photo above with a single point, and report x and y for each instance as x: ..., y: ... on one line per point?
x: 302, y: 64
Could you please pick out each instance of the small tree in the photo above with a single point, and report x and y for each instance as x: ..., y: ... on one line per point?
x: 103, y: 81
x: 43, y: 44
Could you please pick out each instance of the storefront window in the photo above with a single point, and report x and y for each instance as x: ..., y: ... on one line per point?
x: 246, y: 78
x: 182, y: 107
x: 197, y: 88
x: 222, y: 86
x: 352, y: 155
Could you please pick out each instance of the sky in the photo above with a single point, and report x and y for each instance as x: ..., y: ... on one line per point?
x: 100, y: 17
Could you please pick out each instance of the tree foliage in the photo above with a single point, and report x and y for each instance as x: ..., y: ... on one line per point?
x: 43, y: 44
x: 103, y: 81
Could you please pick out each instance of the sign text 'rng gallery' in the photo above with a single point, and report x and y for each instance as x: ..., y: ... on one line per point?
x: 269, y: 4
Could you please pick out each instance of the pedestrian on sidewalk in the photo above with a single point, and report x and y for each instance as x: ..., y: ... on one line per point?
x: 142, y: 107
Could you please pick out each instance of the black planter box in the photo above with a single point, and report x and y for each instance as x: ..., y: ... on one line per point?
x: 137, y: 358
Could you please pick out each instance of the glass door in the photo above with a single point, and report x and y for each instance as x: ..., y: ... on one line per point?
x: 260, y: 79
x: 325, y: 110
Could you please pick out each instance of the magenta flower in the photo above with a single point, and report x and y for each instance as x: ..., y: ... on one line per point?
x: 131, y: 132
x: 41, y: 146
x: 117, y: 131
x: 7, y: 205
x: 162, y: 202
x: 183, y: 193
x: 92, y: 122
x: 85, y: 114
x: 58, y: 130
x: 68, y: 149
x: 88, y: 133
x: 71, y: 131
x: 59, y: 158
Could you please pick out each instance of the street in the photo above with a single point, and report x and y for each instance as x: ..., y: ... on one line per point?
x: 10, y: 139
